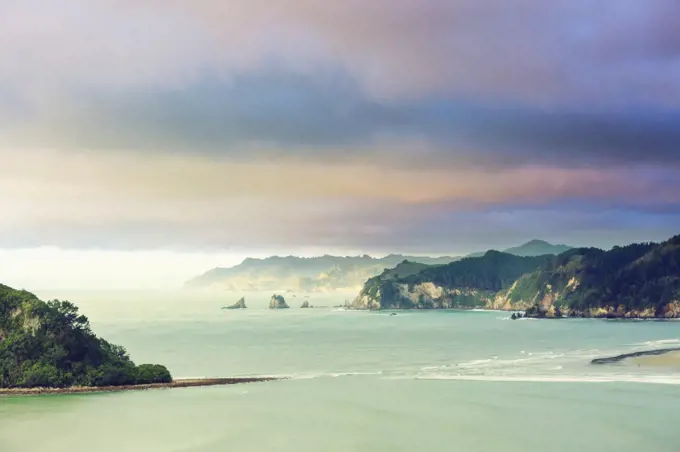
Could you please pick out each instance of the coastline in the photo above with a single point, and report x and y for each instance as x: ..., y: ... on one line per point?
x: 644, y: 357
x: 181, y: 383
x: 596, y: 316
x: 667, y: 360
x: 529, y: 316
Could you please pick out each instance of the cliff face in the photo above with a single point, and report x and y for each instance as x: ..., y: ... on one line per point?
x: 278, y: 302
x: 637, y: 281
x: 429, y: 295
x: 483, y: 282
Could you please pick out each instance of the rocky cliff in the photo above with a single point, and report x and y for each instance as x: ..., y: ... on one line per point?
x: 484, y: 282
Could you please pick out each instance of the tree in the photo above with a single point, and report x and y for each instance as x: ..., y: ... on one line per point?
x: 51, y: 344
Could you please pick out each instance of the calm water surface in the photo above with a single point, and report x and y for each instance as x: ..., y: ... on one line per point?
x: 434, y: 381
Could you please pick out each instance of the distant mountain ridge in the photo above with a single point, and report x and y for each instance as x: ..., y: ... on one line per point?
x: 305, y: 274
x: 532, y: 248
x: 329, y: 273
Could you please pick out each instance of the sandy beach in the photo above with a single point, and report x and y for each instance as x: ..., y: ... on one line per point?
x: 185, y: 383
x: 671, y: 359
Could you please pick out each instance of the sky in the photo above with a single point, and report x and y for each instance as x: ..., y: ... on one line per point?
x: 143, y: 142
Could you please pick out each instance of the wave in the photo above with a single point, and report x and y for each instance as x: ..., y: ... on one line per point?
x: 315, y: 375
x: 494, y: 361
x: 489, y: 310
x: 659, y: 342
x: 543, y: 364
x: 651, y: 379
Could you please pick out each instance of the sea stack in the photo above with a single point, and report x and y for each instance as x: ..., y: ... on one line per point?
x: 278, y: 302
x: 305, y: 304
x: 241, y: 304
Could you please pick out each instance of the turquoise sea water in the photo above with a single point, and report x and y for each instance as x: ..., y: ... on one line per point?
x: 432, y: 381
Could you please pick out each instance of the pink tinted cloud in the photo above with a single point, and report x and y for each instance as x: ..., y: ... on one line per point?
x: 530, y: 50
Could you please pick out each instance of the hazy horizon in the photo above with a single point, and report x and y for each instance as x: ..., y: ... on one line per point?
x: 51, y: 268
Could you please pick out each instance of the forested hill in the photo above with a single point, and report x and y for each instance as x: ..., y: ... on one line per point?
x: 639, y: 280
x: 51, y: 345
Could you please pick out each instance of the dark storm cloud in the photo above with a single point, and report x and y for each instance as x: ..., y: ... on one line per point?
x: 327, y: 116
x: 520, y: 134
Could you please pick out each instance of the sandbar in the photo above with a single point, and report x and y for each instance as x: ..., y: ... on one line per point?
x: 181, y: 383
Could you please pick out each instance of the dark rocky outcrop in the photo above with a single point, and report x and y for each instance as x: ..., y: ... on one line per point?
x: 278, y: 302
x: 305, y: 305
x: 618, y: 358
x: 241, y: 304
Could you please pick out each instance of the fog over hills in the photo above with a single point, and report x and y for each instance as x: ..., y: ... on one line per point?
x: 328, y: 273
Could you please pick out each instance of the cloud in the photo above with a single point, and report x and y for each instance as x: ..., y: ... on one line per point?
x: 198, y: 124
x: 617, y: 51
x: 278, y: 113
x: 407, y: 82
x: 163, y: 201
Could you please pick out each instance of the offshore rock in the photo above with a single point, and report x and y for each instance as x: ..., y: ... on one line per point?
x: 241, y: 304
x: 278, y: 302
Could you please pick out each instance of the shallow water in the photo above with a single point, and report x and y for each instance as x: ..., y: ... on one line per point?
x: 435, y: 380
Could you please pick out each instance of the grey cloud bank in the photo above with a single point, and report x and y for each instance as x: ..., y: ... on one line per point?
x: 280, y: 113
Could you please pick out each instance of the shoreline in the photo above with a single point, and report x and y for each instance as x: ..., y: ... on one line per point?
x: 530, y: 316
x: 182, y: 383
x: 639, y: 355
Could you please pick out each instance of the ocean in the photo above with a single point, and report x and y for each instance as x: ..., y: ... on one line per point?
x: 359, y: 381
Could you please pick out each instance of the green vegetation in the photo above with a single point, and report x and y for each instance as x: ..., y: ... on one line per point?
x: 640, y: 280
x: 635, y: 280
x: 404, y: 269
x: 51, y: 345
x: 492, y: 272
x: 473, y: 282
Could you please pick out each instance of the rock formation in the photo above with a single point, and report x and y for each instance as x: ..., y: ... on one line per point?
x: 278, y: 302
x: 241, y: 304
